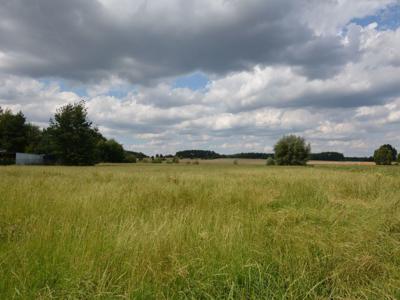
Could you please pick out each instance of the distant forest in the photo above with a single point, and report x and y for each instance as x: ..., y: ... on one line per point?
x: 207, y: 154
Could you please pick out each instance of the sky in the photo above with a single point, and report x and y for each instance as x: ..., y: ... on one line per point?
x: 224, y: 75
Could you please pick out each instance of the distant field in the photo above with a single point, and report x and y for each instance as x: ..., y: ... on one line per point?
x: 223, y: 231
x: 342, y: 163
x: 228, y: 161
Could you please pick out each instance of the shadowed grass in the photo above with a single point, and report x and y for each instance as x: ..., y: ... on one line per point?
x: 199, y: 232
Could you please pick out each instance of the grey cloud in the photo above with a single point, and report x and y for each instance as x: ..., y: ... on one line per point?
x: 323, y: 57
x: 348, y: 98
x: 82, y: 40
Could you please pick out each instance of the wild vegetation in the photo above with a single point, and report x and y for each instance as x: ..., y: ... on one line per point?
x: 177, y: 231
x: 385, y: 155
x: 70, y: 138
x: 292, y: 150
x: 322, y: 156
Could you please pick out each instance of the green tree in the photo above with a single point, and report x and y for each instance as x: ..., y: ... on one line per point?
x: 111, y: 151
x: 72, y: 137
x: 384, y: 155
x: 34, y: 137
x: 13, y: 131
x: 392, y: 150
x: 291, y: 150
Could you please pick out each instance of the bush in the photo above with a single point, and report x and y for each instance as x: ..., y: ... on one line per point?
x: 157, y: 160
x: 235, y: 162
x: 292, y: 150
x: 175, y: 160
x: 383, y: 155
x: 129, y: 158
x: 110, y: 151
x: 270, y: 161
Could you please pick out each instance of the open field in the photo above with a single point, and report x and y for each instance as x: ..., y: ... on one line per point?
x: 150, y: 231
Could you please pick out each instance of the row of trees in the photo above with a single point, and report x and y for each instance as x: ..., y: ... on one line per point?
x: 293, y: 150
x: 70, y: 138
x: 207, y: 154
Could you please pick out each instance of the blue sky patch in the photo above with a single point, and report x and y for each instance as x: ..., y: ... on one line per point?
x: 387, y: 18
x: 65, y: 87
x: 195, y: 81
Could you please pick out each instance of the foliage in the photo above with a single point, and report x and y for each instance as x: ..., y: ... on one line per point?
x: 156, y: 160
x: 13, y: 131
x: 72, y: 136
x: 130, y: 158
x: 138, y: 155
x: 110, y: 151
x: 292, y: 150
x: 7, y: 158
x: 200, y: 154
x: 34, y: 137
x: 270, y: 161
x: 249, y: 155
x: 384, y: 155
x: 327, y: 156
x: 207, y: 154
x: 360, y: 159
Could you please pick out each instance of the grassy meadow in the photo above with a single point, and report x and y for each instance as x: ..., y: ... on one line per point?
x: 225, y: 231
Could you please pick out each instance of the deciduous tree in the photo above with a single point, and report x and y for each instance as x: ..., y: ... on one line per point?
x: 292, y: 150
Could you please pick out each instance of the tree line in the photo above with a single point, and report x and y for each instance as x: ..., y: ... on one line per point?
x: 293, y: 150
x: 207, y: 154
x: 70, y: 138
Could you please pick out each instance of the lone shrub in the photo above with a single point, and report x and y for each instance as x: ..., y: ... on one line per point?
x: 292, y: 150
x: 270, y: 161
x: 384, y: 155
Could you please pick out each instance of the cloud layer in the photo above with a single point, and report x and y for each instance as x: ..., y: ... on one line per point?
x: 274, y: 67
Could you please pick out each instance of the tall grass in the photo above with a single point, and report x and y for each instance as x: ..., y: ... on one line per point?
x: 199, y: 232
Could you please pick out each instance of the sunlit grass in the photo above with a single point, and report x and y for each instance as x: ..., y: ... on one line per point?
x: 200, y: 231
